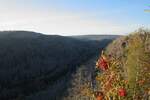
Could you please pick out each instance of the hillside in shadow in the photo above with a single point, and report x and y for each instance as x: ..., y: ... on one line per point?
x: 33, y: 65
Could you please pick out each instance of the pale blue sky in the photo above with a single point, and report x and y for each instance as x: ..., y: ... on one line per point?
x: 74, y: 17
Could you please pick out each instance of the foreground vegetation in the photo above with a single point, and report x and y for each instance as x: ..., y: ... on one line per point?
x: 123, y: 69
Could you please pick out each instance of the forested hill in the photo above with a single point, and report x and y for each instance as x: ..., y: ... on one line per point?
x: 31, y: 63
x: 95, y: 37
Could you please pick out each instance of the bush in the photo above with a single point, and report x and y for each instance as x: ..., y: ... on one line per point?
x: 128, y: 61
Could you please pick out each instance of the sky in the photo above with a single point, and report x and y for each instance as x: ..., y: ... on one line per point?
x: 74, y: 17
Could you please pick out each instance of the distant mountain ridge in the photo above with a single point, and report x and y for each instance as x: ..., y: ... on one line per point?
x: 95, y: 37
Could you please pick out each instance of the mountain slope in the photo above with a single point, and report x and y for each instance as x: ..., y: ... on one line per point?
x: 32, y: 62
x: 81, y: 81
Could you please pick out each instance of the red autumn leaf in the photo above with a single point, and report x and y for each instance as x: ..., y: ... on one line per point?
x: 102, y: 64
x: 122, y: 92
x: 100, y: 96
